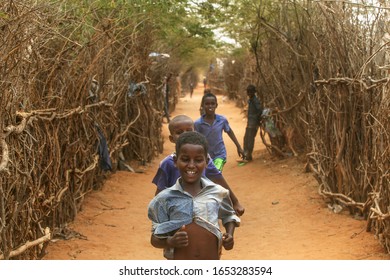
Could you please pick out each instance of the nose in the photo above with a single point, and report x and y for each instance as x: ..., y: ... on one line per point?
x: 191, y: 163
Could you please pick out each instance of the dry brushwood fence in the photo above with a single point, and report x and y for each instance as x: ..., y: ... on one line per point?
x: 349, y: 130
x: 79, y: 93
x: 322, y: 70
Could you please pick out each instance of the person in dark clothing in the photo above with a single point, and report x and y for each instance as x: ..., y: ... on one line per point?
x: 255, y: 110
x: 166, y: 92
x: 191, y: 89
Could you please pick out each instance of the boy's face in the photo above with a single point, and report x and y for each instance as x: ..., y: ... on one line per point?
x: 209, y: 105
x: 179, y: 128
x: 191, y: 162
x: 250, y: 93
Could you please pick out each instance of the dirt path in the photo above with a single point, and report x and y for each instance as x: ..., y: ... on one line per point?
x: 285, y: 218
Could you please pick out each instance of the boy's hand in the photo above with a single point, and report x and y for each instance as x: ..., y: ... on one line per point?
x: 179, y: 239
x: 227, y: 241
x: 240, y: 152
x: 239, y: 209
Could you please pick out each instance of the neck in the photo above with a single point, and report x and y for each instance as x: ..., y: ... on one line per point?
x: 192, y: 188
x: 209, y: 117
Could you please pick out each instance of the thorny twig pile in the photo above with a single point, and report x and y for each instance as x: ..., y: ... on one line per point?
x: 70, y: 84
x: 323, y: 69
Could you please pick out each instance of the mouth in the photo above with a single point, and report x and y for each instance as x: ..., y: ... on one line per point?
x: 191, y: 174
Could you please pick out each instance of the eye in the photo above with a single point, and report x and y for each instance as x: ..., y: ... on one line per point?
x: 184, y: 159
x: 199, y: 160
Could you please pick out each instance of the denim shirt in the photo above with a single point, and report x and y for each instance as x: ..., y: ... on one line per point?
x: 174, y: 207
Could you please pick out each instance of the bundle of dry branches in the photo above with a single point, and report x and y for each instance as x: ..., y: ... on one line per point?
x: 322, y: 68
x: 350, y: 148
x: 72, y: 88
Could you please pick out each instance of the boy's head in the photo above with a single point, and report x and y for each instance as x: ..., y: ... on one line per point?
x: 191, y: 156
x: 209, y: 103
x: 251, y: 90
x: 178, y: 125
x: 193, y: 138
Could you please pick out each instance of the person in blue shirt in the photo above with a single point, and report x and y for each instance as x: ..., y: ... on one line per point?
x: 185, y: 217
x: 167, y: 172
x: 212, y: 125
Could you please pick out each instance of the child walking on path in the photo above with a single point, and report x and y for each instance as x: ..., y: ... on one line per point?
x: 185, y: 217
x: 191, y: 89
x: 167, y: 173
x: 166, y: 93
x: 212, y: 125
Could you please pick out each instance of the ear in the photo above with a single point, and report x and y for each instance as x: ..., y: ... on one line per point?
x: 174, y: 158
x: 207, y: 159
x: 171, y: 139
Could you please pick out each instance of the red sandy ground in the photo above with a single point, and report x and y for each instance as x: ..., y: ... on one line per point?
x: 285, y: 218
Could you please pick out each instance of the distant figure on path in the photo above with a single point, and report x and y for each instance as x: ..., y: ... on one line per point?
x: 178, y: 85
x: 166, y: 92
x: 191, y: 89
x: 254, y: 116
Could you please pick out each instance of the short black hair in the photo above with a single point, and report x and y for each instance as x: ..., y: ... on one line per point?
x: 208, y: 94
x: 192, y: 137
x: 178, y: 119
x: 251, y: 88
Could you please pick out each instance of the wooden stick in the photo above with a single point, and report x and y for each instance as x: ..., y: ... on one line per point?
x: 29, y: 244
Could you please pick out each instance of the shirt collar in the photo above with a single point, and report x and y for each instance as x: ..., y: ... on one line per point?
x: 206, y: 183
x: 217, y: 118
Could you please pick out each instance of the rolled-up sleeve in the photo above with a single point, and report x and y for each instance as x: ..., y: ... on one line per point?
x: 168, y: 212
x: 158, y: 215
x: 226, y: 211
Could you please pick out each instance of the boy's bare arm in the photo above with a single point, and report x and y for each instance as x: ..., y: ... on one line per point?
x: 228, y: 237
x: 232, y: 136
x: 178, y: 240
x: 158, y: 242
